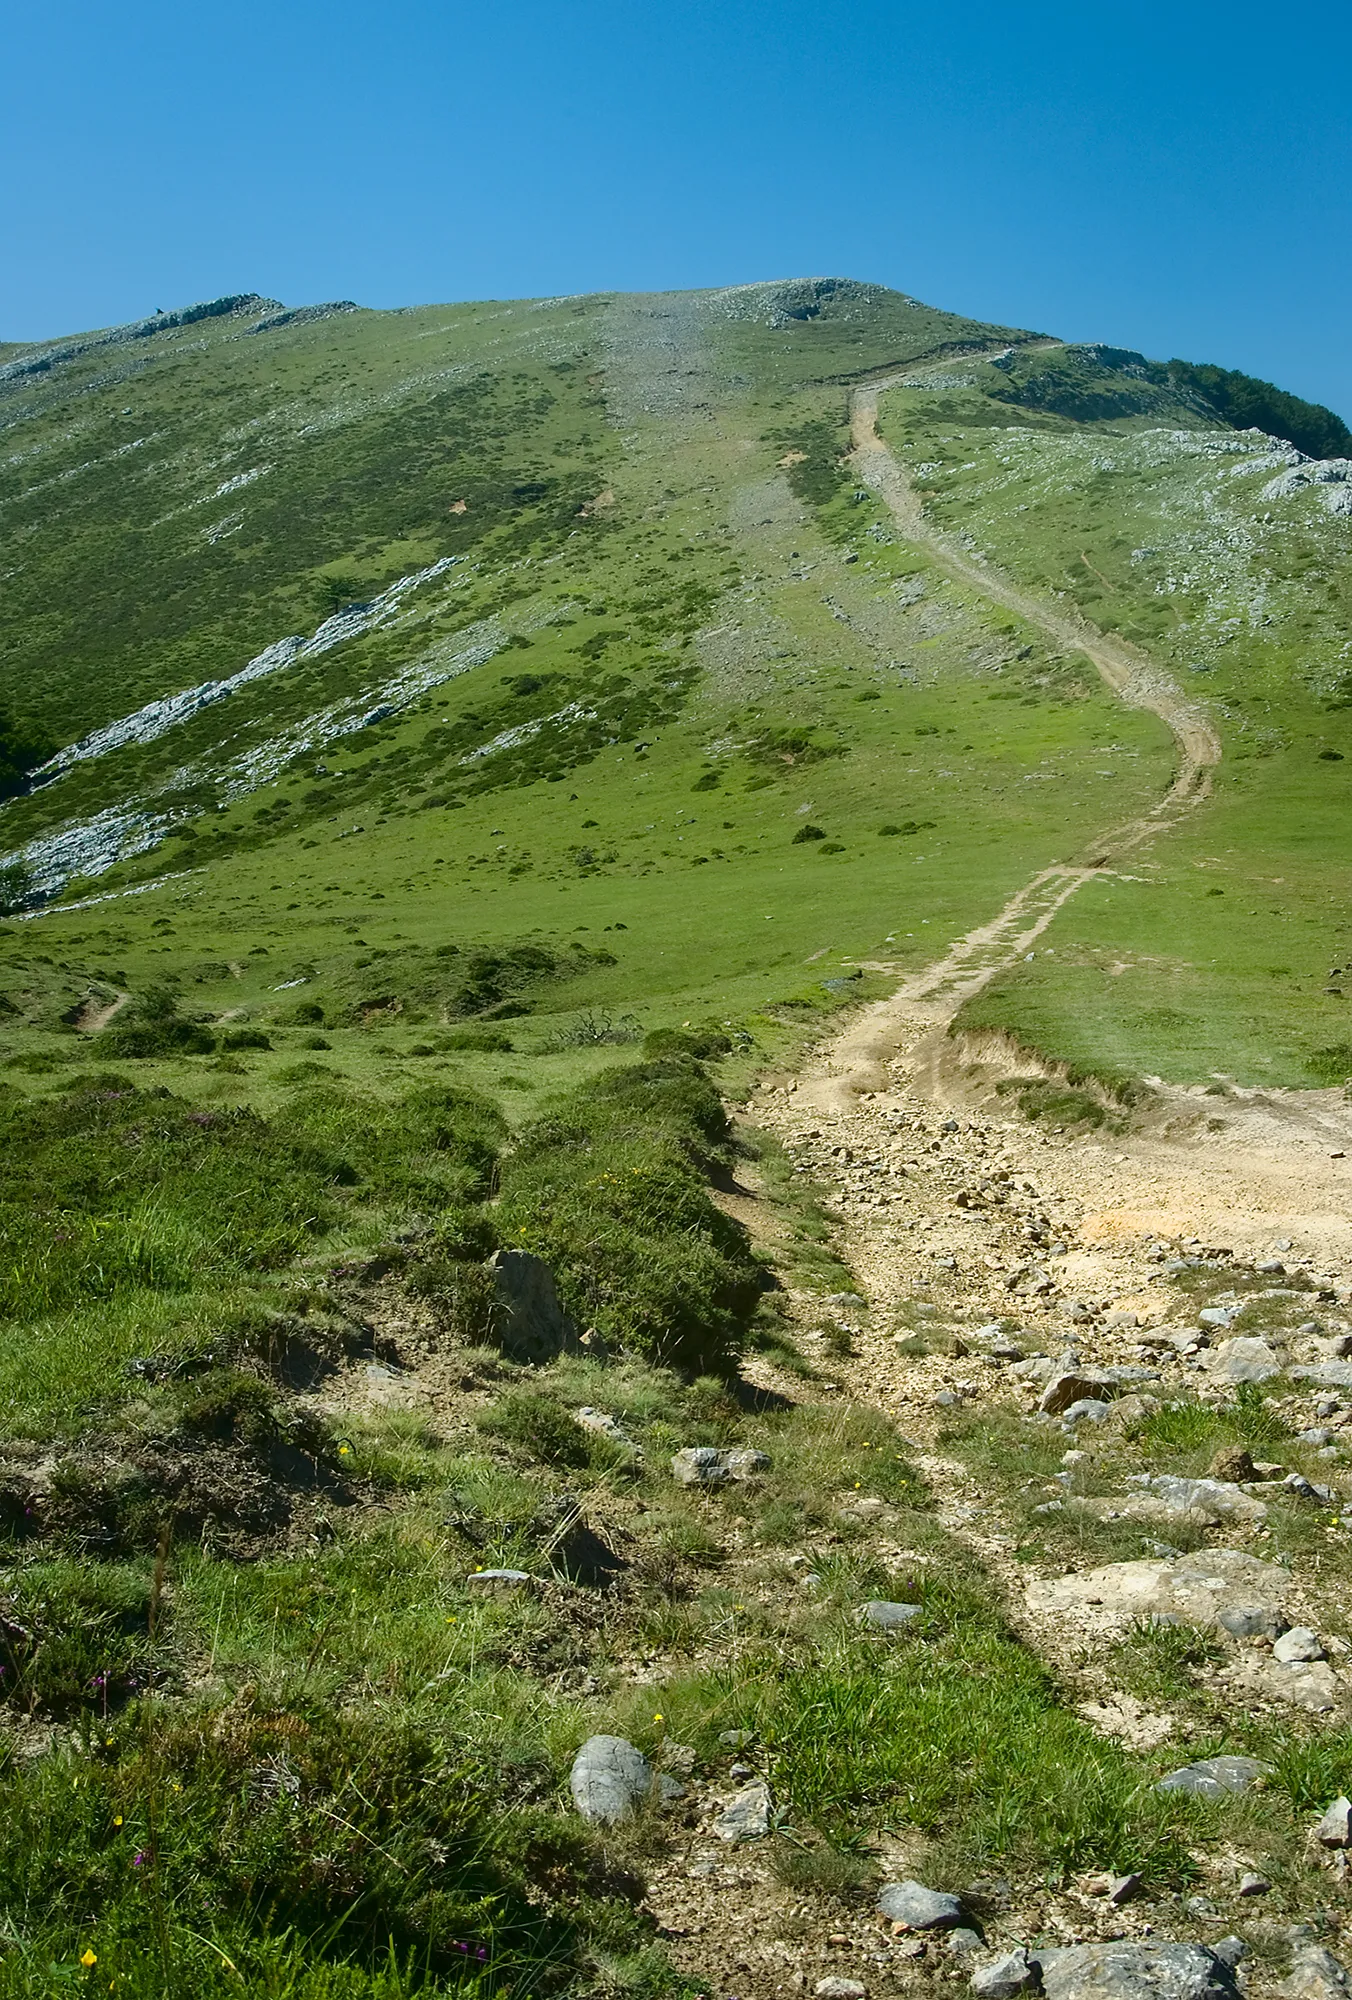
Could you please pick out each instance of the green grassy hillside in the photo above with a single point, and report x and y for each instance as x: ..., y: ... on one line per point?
x: 443, y: 755
x: 1227, y: 559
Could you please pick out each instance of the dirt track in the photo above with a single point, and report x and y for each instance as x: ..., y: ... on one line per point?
x: 1248, y: 1168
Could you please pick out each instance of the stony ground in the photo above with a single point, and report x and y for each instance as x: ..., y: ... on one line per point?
x: 1028, y: 1305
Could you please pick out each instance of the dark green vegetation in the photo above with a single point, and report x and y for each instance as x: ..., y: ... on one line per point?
x: 520, y: 729
x: 1094, y: 384
x: 1251, y: 404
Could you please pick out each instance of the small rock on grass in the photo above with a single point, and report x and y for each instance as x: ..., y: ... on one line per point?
x: 919, y: 1908
x: 1335, y: 1828
x: 1215, y: 1777
x: 610, y: 1779
x: 890, y: 1617
x: 499, y: 1579
x: 1244, y: 1359
x: 1075, y: 1385
x: 1233, y: 1464
x: 1004, y: 1977
x: 840, y: 1989
x: 1250, y: 1621
x: 1253, y: 1885
x: 708, y: 1465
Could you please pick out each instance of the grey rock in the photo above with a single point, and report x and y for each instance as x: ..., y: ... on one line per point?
x: 1244, y: 1359
x: 669, y: 1789
x: 747, y: 1813
x: 1315, y: 1975
x: 919, y: 1908
x: 610, y: 1780
x: 498, y: 1579
x: 1003, y: 1977
x: 1209, y: 1502
x: 1218, y: 1315
x: 531, y: 1325
x: 1088, y: 1410
x: 1335, y: 1828
x: 1231, y: 1951
x: 1329, y: 1374
x: 890, y: 1617
x: 1311, y: 1685
x: 1301, y: 1488
x: 1250, y: 1621
x: 602, y: 1424
x: 836, y: 1988
x: 708, y: 1465
x: 1215, y: 1777
x: 1124, y: 1888
x: 1076, y: 1385
x: 1299, y: 1644
x: 736, y: 1739
x: 1190, y: 1589
x: 1136, y: 1971
x: 961, y: 1943
x: 1254, y: 1885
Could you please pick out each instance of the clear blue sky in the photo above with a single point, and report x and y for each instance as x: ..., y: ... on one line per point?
x: 1171, y: 177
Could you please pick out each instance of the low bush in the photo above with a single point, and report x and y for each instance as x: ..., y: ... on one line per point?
x: 151, y: 1025
x: 611, y: 1190
x: 538, y: 1425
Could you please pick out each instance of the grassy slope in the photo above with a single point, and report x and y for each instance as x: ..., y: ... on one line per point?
x: 655, y: 514
x: 1216, y: 955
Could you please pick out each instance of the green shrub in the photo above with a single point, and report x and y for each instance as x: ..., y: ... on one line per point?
x: 103, y: 1191
x: 245, y: 1038
x: 610, y: 1190
x: 74, y: 1637
x: 151, y: 1025
x: 305, y: 1851
x: 704, y: 1044
x: 483, y: 1041
x: 524, y: 1417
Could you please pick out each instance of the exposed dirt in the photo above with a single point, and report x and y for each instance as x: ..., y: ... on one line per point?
x: 95, y: 1013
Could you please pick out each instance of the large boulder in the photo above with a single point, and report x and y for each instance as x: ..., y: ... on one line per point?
x: 1132, y: 1971
x: 1188, y: 1590
x: 530, y: 1323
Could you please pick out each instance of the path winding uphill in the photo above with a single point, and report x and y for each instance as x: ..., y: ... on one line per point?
x: 931, y: 997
